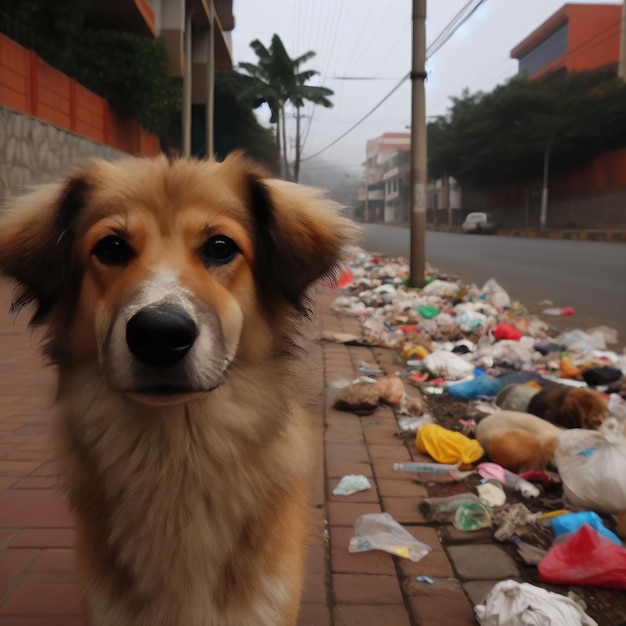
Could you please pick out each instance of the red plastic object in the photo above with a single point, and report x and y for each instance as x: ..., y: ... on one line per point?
x: 345, y: 280
x: 506, y: 331
x: 409, y: 329
x: 567, y: 311
x: 586, y: 558
x: 418, y: 378
x: 545, y: 479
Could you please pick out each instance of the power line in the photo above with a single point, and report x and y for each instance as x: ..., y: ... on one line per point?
x: 360, y: 121
x: 446, y: 34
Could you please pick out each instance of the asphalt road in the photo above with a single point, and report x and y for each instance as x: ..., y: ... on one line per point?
x: 589, y: 276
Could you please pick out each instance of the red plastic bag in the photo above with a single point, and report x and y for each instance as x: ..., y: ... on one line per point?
x: 506, y: 331
x: 586, y: 558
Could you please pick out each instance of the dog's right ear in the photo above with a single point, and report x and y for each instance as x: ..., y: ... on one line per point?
x: 36, y: 243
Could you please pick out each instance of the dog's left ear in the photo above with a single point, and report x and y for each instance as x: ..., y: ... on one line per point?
x: 36, y: 243
x: 302, y: 236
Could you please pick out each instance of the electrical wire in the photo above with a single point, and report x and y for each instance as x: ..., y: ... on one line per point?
x: 457, y: 21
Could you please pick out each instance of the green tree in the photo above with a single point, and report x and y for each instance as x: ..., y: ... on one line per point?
x: 276, y: 80
x: 504, y: 136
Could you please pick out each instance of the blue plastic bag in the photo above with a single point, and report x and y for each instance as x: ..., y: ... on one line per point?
x: 573, y: 521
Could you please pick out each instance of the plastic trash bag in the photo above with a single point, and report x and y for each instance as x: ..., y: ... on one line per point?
x: 352, y: 483
x: 510, y: 603
x: 483, y: 385
x: 447, y: 446
x: 448, y: 365
x: 617, y: 407
x: 379, y: 531
x: 586, y: 558
x: 592, y: 466
x: 571, y: 522
x: 441, y: 288
x: 497, y: 296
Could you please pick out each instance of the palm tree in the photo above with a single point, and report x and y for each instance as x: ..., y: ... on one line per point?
x: 275, y: 81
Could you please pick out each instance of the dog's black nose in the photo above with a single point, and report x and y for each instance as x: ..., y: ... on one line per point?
x: 161, y: 334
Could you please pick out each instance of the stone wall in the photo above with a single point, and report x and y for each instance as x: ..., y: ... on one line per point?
x: 33, y: 152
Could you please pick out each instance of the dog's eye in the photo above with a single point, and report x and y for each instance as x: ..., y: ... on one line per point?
x: 113, y: 250
x: 219, y: 250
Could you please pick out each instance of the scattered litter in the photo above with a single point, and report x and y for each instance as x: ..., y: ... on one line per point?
x: 363, y: 397
x: 425, y: 579
x: 379, y: 531
x: 586, y: 558
x: 598, y: 376
x: 570, y: 523
x: 328, y: 335
x: 471, y: 516
x: 609, y: 334
x: 352, y: 483
x: 446, y: 446
x: 506, y: 331
x: 592, y: 466
x: 428, y: 471
x: 557, y: 311
x: 493, y: 470
x: 511, y: 519
x: 441, y: 509
x: 441, y: 288
x: 496, y: 295
x: 510, y: 603
x: 411, y: 424
x: 447, y: 364
x: 491, y: 492
x: 531, y: 555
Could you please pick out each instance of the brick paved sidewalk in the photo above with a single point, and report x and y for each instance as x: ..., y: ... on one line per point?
x: 37, y: 584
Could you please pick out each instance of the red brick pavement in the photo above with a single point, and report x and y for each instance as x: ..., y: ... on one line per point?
x: 37, y: 585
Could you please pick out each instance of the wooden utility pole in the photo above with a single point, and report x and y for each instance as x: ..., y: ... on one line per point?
x: 210, y: 79
x: 419, y: 153
x: 621, y: 71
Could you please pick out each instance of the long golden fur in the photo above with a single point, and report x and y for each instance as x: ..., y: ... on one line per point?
x: 518, y: 441
x: 188, y: 479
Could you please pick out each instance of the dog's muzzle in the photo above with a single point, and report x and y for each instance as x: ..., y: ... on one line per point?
x: 161, y: 334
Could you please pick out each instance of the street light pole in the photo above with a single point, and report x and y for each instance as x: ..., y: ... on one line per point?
x: 543, y: 215
x: 419, y: 153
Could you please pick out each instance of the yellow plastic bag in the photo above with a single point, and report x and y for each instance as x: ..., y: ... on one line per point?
x: 447, y: 446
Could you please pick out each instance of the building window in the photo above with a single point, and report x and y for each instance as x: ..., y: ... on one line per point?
x: 551, y: 48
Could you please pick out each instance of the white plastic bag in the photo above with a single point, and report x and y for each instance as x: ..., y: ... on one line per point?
x: 592, y: 465
x: 379, y: 531
x: 441, y: 288
x: 447, y: 364
x: 510, y: 603
x: 351, y: 483
x: 497, y: 296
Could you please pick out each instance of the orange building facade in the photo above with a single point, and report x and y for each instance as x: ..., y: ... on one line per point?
x: 577, y: 37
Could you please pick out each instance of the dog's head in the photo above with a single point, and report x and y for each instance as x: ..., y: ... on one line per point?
x: 587, y: 407
x: 165, y: 273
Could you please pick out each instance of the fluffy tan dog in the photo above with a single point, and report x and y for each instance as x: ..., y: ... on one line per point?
x: 174, y: 295
x: 518, y: 441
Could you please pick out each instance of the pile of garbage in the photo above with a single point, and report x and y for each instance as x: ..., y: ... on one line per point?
x: 475, y: 344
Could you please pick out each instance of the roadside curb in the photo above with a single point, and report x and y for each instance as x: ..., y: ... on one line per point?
x: 614, y: 236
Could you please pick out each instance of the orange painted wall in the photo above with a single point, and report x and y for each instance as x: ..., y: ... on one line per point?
x: 593, y: 38
x: 30, y: 85
x: 594, y: 34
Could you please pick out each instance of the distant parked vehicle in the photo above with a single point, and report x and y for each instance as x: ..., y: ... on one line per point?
x: 479, y: 223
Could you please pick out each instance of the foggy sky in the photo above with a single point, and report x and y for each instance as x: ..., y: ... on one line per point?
x: 372, y: 38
